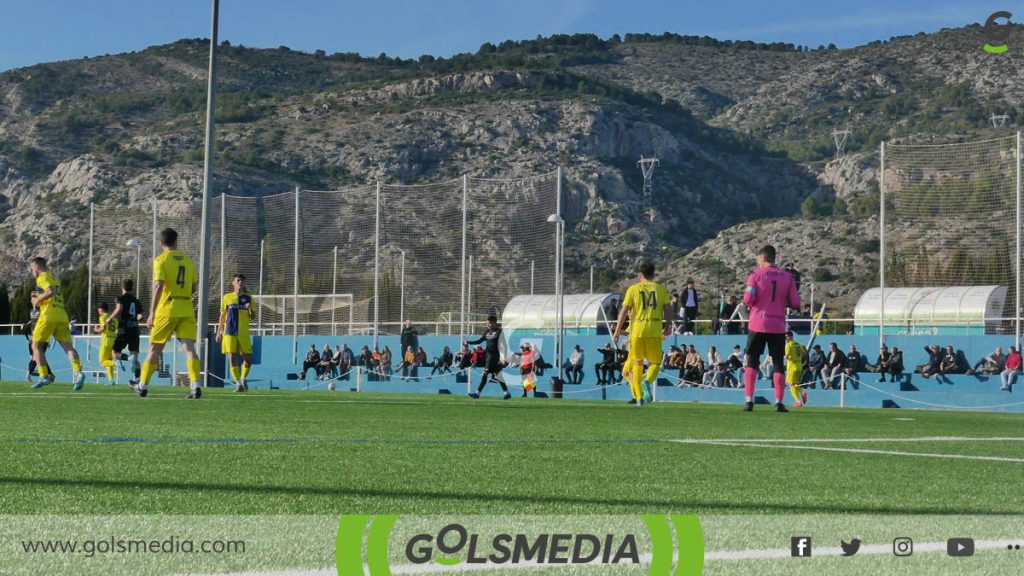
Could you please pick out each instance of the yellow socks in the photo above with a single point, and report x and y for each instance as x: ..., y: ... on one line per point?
x: 796, y: 389
x: 236, y: 373
x: 44, y: 370
x: 246, y: 368
x: 147, y: 372
x: 76, y: 365
x: 193, y: 370
x: 110, y: 371
x: 636, y: 375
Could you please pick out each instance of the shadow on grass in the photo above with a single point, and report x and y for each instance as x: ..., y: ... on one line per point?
x: 672, y: 505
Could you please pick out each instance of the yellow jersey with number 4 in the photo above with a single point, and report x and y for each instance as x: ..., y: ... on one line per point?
x: 179, y: 276
x: 646, y: 302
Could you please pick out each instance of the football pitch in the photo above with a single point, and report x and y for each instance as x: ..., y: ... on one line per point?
x: 103, y: 451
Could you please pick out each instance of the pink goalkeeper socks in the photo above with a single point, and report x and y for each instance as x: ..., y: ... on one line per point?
x: 779, y: 379
x: 749, y: 378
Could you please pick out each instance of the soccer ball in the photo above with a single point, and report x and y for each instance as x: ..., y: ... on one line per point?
x: 330, y: 386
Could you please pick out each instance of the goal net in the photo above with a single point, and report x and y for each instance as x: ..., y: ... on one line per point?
x: 950, y: 214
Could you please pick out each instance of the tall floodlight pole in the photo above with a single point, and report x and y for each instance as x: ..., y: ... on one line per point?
x: 204, y: 237
x: 401, y: 297
x: 647, y: 168
x: 1016, y: 313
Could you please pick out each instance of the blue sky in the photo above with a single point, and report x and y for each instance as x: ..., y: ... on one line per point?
x: 46, y: 30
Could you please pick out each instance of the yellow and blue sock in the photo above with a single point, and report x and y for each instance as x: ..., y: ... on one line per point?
x: 193, y: 372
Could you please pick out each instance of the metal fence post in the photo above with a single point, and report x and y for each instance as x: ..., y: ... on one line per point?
x: 223, y: 236
x: 88, y: 298
x: 295, y: 280
x: 1016, y: 313
x: 842, y: 390
x: 259, y: 311
x: 334, y: 293
x: 881, y: 249
x: 462, y: 297
x: 376, y: 269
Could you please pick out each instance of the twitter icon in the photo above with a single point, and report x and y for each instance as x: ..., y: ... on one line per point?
x: 852, y: 548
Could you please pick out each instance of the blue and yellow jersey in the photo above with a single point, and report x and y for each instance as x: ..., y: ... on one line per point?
x: 178, y: 274
x: 237, y: 308
x: 55, y: 303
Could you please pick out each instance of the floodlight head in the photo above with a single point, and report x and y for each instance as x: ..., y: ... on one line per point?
x: 556, y: 218
x: 133, y: 243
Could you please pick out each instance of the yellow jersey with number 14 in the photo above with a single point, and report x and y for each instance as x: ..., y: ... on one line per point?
x: 178, y: 274
x: 646, y: 302
x: 54, y: 305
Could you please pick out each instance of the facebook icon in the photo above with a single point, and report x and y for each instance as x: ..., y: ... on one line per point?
x: 800, y: 546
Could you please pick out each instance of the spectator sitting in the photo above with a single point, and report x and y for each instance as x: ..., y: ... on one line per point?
x: 767, y: 368
x: 444, y: 362
x: 835, y: 362
x: 994, y: 363
x: 1012, y: 370
x: 714, y: 358
x: 692, y: 366
x: 385, y: 363
x: 574, y: 367
x: 816, y: 367
x: 312, y: 361
x: 951, y: 364
x: 324, y: 370
x: 345, y: 361
x: 464, y: 359
x: 881, y: 366
x: 408, y: 359
x: 896, y: 363
x: 603, y: 369
x: 852, y: 367
x: 734, y: 362
x: 620, y: 361
x: 934, y: 361
x: 479, y: 357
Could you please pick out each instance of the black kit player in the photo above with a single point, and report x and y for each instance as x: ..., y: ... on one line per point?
x: 27, y: 328
x: 128, y: 312
x: 492, y: 356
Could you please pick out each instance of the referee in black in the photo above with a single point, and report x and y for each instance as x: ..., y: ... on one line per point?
x: 128, y: 310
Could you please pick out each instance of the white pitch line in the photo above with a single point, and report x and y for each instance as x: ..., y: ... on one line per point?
x: 851, y: 440
x: 859, y: 451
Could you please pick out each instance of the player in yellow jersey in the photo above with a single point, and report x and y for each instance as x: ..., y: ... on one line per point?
x: 52, y: 323
x: 171, y: 312
x: 107, y: 328
x: 233, y: 332
x: 649, y: 309
x: 796, y: 357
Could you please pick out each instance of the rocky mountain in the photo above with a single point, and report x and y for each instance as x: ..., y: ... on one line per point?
x: 743, y: 131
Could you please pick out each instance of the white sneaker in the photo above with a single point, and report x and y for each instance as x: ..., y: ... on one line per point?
x: 44, y: 381
x: 79, y: 380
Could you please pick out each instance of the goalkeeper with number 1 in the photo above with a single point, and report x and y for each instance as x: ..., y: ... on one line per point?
x: 649, y: 309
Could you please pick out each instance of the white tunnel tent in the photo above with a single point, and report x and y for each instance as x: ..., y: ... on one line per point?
x: 584, y: 313
x: 934, y: 310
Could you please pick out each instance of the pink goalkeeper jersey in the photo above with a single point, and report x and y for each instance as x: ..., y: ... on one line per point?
x: 769, y: 292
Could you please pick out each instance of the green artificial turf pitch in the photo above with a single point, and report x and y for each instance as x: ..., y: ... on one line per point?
x: 105, y: 451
